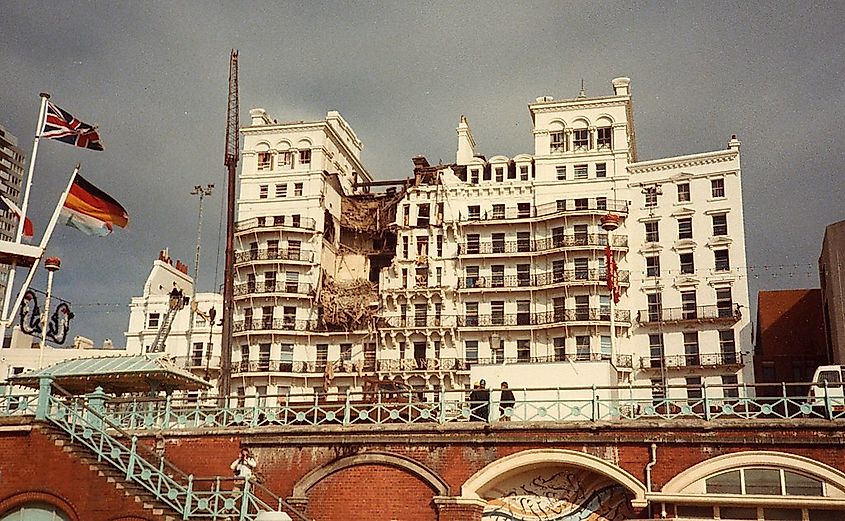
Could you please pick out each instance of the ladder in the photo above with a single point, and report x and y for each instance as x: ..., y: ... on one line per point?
x: 161, y: 337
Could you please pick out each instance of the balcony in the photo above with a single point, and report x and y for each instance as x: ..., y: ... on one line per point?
x: 296, y: 255
x: 275, y: 222
x: 258, y: 288
x: 690, y: 315
x: 464, y: 364
x: 547, y: 318
x: 301, y: 366
x: 546, y: 210
x: 697, y: 361
x: 276, y: 324
x: 587, y: 240
x: 419, y: 322
x: 195, y: 362
x: 550, y: 278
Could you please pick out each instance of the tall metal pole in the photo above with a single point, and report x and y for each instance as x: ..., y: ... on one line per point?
x: 231, y: 163
x: 201, y: 192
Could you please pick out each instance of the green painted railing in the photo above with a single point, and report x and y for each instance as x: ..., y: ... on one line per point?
x: 215, y: 498
x: 585, y: 404
x: 18, y: 404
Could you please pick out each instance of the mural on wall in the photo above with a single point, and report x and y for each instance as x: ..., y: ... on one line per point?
x: 557, y: 495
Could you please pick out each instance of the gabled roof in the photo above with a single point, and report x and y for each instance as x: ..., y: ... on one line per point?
x: 116, y: 374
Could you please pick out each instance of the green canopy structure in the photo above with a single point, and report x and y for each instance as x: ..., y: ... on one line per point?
x: 116, y: 375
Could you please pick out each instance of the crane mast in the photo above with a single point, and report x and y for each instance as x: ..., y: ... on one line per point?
x: 230, y: 160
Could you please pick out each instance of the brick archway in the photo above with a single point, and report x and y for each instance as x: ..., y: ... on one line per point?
x: 24, y: 498
x: 428, y: 476
x: 528, y: 458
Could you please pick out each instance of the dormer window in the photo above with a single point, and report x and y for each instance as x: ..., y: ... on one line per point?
x: 604, y: 138
x: 500, y: 174
x: 557, y: 142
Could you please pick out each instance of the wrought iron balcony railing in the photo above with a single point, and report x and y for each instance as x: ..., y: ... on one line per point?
x: 598, y: 206
x: 700, y: 360
x: 279, y: 286
x: 267, y: 254
x: 545, y: 318
x: 589, y: 240
x: 197, y: 362
x: 464, y: 364
x: 273, y: 324
x: 277, y: 221
x: 529, y: 280
x: 726, y: 314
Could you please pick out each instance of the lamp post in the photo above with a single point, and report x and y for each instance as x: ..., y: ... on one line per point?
x: 52, y: 265
x: 610, y: 223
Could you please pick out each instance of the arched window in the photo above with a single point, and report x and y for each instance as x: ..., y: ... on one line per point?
x: 35, y: 512
x: 764, y: 482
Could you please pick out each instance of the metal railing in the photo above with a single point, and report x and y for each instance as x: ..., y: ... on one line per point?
x: 623, y: 316
x: 761, y: 402
x: 729, y: 314
x: 465, y: 364
x: 287, y: 221
x: 88, y: 423
x: 547, y: 210
x: 18, y: 404
x: 197, y: 362
x: 266, y: 254
x: 549, y: 278
x: 693, y: 360
x: 275, y: 324
x: 277, y: 286
x: 587, y: 240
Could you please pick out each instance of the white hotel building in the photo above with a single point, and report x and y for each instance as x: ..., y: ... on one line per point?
x: 490, y: 267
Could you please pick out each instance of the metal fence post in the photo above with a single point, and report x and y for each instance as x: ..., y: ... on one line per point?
x: 167, y: 411
x: 97, y: 404
x: 441, y: 416
x: 347, y: 409
x: 45, y: 385
x: 130, y: 466
x: 245, y: 500
x: 188, y: 493
x: 706, y: 400
x: 828, y: 410
x: 595, y: 411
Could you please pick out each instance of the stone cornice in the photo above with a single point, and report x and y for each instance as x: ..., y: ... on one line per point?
x: 670, y: 163
x: 589, y: 103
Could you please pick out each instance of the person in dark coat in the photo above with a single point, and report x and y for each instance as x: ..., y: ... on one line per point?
x: 479, y: 402
x: 506, y: 401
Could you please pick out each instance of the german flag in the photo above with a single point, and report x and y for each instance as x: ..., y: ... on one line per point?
x: 92, y: 211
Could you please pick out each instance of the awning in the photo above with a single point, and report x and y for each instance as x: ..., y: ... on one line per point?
x: 116, y: 375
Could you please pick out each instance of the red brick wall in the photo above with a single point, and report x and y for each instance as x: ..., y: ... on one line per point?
x: 372, y: 492
x: 33, y: 468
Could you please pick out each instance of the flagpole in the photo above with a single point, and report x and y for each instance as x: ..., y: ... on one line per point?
x: 47, y: 234
x: 10, y: 281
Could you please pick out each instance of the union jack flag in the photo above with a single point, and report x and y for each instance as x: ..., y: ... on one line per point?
x: 61, y: 125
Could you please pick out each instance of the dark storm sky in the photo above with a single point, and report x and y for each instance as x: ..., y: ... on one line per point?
x: 153, y: 75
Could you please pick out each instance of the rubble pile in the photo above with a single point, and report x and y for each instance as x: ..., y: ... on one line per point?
x: 347, y: 305
x: 369, y: 213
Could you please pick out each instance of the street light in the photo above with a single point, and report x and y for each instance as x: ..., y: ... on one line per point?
x: 52, y: 265
x: 610, y: 223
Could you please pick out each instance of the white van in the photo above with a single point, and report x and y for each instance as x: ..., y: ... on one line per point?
x: 830, y: 377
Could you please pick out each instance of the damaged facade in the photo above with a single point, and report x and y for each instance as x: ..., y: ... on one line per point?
x: 488, y: 268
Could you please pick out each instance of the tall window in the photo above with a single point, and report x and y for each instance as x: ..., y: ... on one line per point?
x: 557, y: 143
x: 523, y: 209
x: 500, y: 174
x: 652, y: 266
x: 655, y: 347
x: 265, y: 161
x: 498, y: 242
x: 655, y: 307
x: 559, y: 307
x: 582, y: 271
x: 523, y: 173
x: 604, y: 137
x: 474, y: 212
x: 727, y: 346
x: 729, y: 386
x: 650, y: 197
x: 694, y: 387
x: 420, y: 315
x: 523, y: 312
x: 263, y: 357
x: 689, y: 305
x: 297, y: 189
x: 423, y: 211
x: 523, y: 350
x: 724, y: 302
x: 286, y: 357
x: 473, y: 244
x: 687, y: 263
x: 720, y: 224
x: 717, y: 187
x: 471, y: 318
x: 582, y: 307
x: 498, y: 276
x: 601, y: 203
x: 582, y: 347
x: 471, y: 276
x: 346, y: 352
x: 305, y: 157
x: 605, y: 346
x: 499, y: 211
x: 471, y: 351
x: 652, y: 232
x: 580, y: 139
x: 560, y: 349
x: 685, y: 228
x: 691, y: 357
x: 497, y: 312
x: 322, y: 357
x: 153, y: 320
x: 523, y: 274
x: 523, y: 241
x: 286, y: 158
x: 683, y: 192
x: 439, y: 245
x: 722, y: 260
x: 558, y: 271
